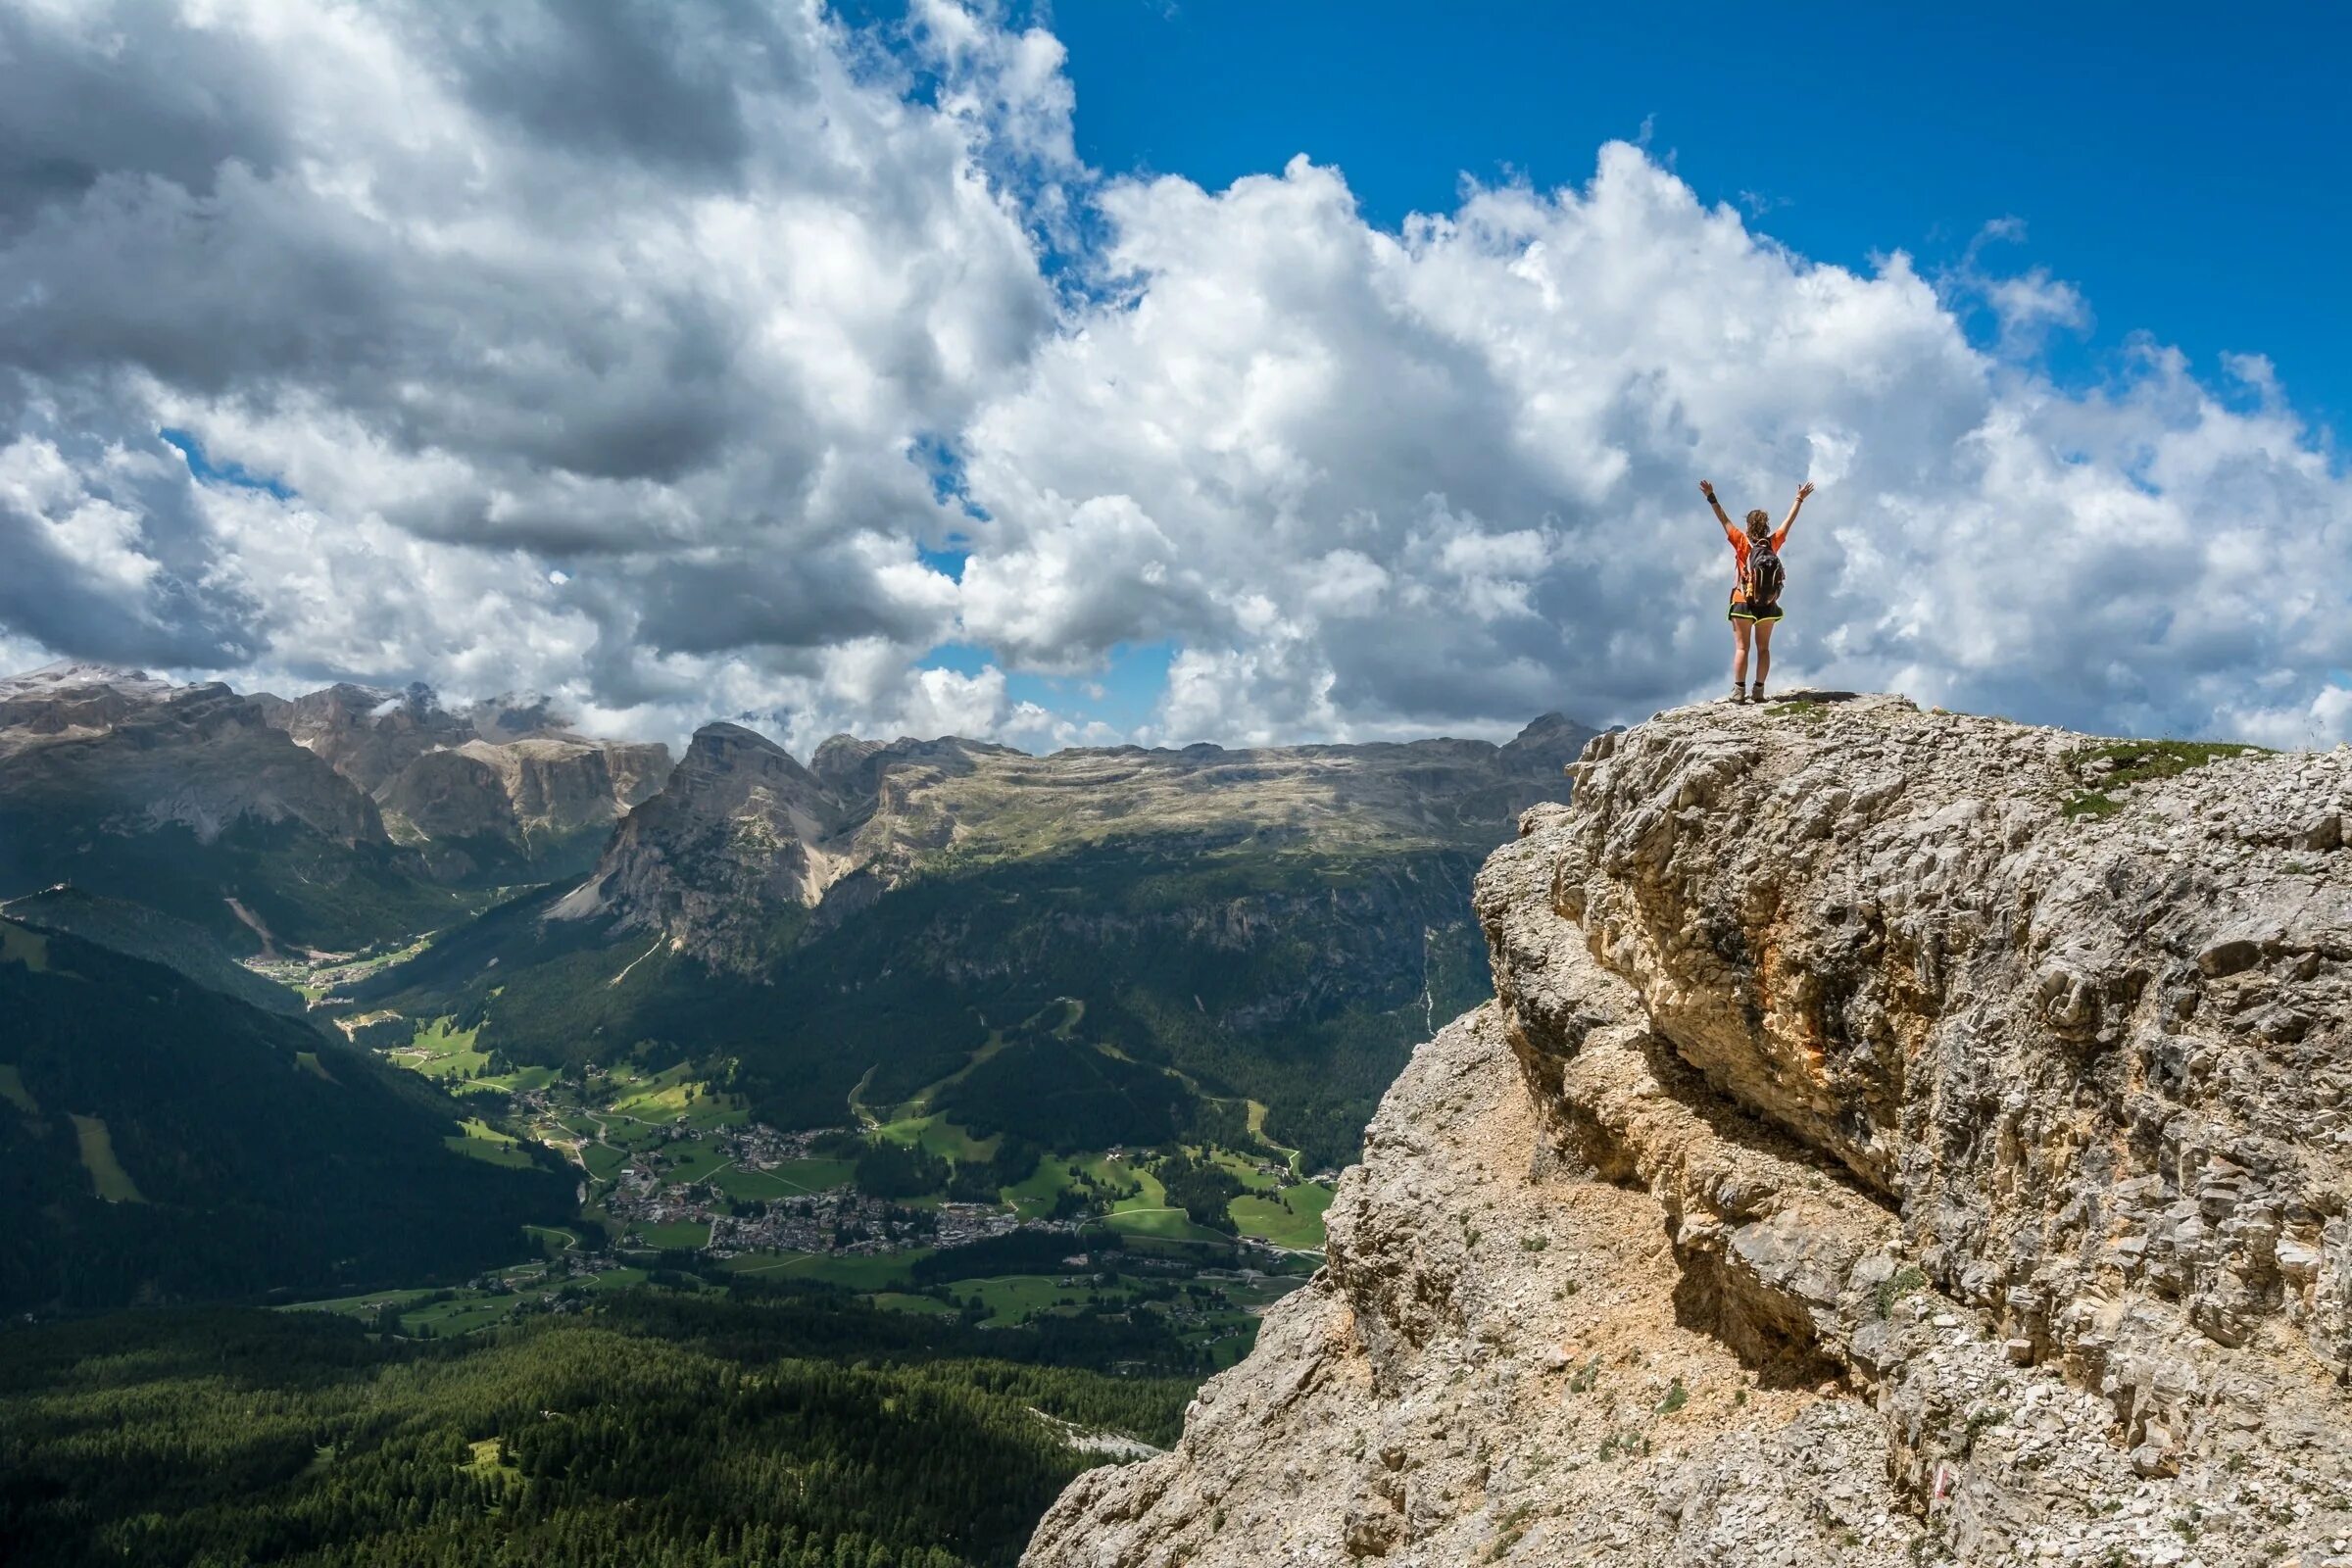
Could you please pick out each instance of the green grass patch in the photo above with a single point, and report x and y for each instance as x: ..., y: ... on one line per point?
x: 615, y: 1279
x: 691, y: 1235
x: 941, y: 1137
x: 603, y: 1162
x: 448, y: 1319
x: 113, y: 1182
x: 521, y: 1081
x: 477, y: 1138
x: 1905, y: 1281
x: 307, y: 1061
x: 1803, y: 710
x: 2118, y: 765
x: 675, y: 1093
x: 692, y: 1162
x: 1017, y: 1297
x: 877, y: 1271
x: 902, y: 1302
x: 1298, y: 1225
x: 1241, y: 1167
x: 362, y: 1305
x: 1168, y: 1224
x: 1033, y: 1198
x: 553, y: 1239
x: 814, y: 1175
x: 753, y: 1186
x: 12, y: 1090
x: 440, y: 1049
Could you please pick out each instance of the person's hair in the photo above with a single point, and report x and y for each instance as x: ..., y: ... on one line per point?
x: 1759, y: 521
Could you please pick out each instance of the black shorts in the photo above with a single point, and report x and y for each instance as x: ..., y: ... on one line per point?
x: 1742, y: 609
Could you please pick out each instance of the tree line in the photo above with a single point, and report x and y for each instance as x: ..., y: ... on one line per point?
x: 662, y: 1431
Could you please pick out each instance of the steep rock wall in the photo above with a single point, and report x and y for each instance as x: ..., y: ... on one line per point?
x: 1891, y: 1141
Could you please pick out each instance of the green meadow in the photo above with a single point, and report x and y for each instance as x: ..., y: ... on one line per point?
x: 440, y: 1049
x: 1293, y: 1220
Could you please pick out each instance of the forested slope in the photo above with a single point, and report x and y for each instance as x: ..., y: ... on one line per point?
x: 161, y: 1142
x: 655, y: 1433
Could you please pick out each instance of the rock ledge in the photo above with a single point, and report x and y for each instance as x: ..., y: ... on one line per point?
x: 1895, y: 1138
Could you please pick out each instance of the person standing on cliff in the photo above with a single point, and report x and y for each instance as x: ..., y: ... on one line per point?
x: 1756, y: 591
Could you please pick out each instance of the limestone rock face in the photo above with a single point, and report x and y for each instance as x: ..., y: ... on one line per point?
x: 1895, y: 1138
x: 740, y: 833
x: 507, y: 770
x: 369, y: 733
x: 133, y: 754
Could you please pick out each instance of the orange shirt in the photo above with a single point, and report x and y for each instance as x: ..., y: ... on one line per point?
x: 1739, y: 539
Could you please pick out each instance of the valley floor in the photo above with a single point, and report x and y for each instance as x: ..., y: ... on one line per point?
x: 680, y: 1189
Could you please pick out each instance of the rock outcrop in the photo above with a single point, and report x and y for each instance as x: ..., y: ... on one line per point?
x: 740, y: 836
x: 497, y: 781
x: 1897, y: 1136
x: 130, y: 754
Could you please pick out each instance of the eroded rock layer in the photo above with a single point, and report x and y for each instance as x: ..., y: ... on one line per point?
x: 1897, y: 1136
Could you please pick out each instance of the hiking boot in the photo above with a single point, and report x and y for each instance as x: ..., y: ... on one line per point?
x: 1756, y: 693
x: 1738, y: 694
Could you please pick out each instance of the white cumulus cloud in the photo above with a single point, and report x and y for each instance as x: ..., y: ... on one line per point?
x: 646, y: 355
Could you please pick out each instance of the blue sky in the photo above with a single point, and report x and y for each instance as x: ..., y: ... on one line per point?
x: 2184, y: 172
x: 2184, y: 166
x: 489, y: 375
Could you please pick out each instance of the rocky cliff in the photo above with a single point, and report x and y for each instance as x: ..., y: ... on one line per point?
x: 497, y: 781
x: 134, y: 754
x: 187, y: 800
x: 1897, y: 1136
x: 740, y: 835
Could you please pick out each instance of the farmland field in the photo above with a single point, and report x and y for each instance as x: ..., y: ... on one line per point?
x: 1017, y: 1297
x: 690, y: 1234
x: 478, y: 1139
x: 1299, y: 1228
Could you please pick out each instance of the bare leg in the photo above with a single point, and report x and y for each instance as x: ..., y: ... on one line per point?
x: 1764, y: 649
x: 1739, y: 631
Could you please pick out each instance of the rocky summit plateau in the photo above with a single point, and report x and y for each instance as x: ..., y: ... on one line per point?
x: 1896, y: 1137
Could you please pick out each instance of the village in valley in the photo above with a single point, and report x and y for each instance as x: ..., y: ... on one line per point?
x: 679, y: 1187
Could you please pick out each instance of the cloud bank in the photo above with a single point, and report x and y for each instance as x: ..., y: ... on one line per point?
x: 685, y: 361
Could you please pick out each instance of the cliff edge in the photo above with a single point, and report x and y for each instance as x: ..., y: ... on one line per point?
x: 1897, y: 1136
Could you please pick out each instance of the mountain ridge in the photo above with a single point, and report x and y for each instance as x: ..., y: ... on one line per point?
x: 1273, y: 922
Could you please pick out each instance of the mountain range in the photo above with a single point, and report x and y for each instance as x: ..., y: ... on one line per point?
x: 1274, y: 925
x: 1259, y: 933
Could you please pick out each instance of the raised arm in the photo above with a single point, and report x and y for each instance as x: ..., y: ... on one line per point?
x: 1795, y: 507
x: 1706, y: 487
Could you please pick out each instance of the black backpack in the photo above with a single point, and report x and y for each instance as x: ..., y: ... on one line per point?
x: 1765, y: 575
